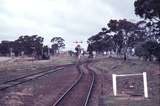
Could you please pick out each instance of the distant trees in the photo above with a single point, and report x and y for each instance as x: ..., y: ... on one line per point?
x: 57, y: 44
x: 100, y: 42
x: 27, y: 44
x: 117, y: 37
x: 46, y: 52
x: 6, y: 47
x: 30, y: 46
x: 122, y: 35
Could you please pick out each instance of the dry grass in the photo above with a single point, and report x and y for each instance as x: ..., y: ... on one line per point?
x: 118, y: 66
x: 29, y: 63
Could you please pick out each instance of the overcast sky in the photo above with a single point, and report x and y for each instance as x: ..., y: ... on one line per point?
x: 74, y: 20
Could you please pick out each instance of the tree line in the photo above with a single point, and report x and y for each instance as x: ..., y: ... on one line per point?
x: 30, y: 46
x: 123, y: 35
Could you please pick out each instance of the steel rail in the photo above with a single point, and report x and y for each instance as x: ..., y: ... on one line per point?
x: 74, y: 85
x: 17, y: 81
x: 23, y: 76
x: 91, y: 87
x: 70, y: 88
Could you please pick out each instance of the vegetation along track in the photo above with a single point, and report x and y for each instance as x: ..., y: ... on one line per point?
x: 79, y: 93
x: 26, y: 78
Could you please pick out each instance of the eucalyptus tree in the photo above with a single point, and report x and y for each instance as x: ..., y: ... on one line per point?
x: 101, y: 41
x: 150, y: 11
x: 30, y: 44
x: 123, y: 34
x: 57, y: 44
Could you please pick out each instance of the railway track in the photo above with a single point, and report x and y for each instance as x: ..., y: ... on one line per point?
x: 79, y: 93
x: 25, y: 78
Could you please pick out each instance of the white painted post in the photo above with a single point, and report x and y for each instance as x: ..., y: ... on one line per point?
x: 145, y: 85
x: 114, y: 84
